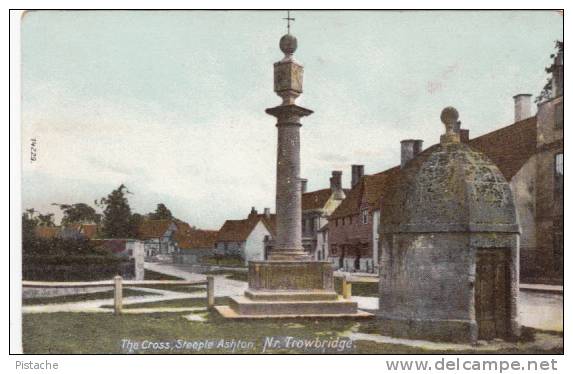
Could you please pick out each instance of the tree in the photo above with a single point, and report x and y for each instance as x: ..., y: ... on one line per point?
x: 135, y: 221
x: 161, y: 212
x: 29, y: 224
x: 78, y: 213
x: 546, y: 92
x: 117, y: 219
x: 46, y: 220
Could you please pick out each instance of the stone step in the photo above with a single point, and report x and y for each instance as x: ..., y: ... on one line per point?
x: 227, y: 312
x: 246, y: 306
x: 276, y: 295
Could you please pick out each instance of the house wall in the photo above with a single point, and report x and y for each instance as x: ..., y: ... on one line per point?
x: 255, y: 245
x: 230, y: 248
x: 523, y: 187
x: 351, y: 240
x: 321, y: 253
x: 319, y: 218
x: 156, y: 246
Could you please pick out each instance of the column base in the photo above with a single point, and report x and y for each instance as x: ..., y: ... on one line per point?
x: 290, y: 289
x: 289, y: 256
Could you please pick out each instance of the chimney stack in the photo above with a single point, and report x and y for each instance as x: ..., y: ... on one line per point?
x: 303, y: 185
x: 522, y: 106
x: 357, y: 173
x: 336, y: 184
x: 253, y: 213
x: 268, y: 213
x: 464, y: 135
x: 409, y: 149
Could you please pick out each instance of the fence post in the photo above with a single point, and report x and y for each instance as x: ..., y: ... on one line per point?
x: 210, y: 291
x: 117, y: 294
x: 346, y: 288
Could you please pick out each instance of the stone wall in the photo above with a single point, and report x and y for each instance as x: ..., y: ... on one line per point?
x: 427, y: 283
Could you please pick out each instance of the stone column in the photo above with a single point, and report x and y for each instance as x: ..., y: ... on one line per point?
x: 288, y: 242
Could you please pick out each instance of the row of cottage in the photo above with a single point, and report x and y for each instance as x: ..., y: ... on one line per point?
x: 166, y: 239
x: 342, y: 225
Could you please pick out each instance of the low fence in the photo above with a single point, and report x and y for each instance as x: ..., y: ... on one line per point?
x: 118, y: 284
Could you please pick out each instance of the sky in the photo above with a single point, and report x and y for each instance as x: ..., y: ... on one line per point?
x: 172, y: 103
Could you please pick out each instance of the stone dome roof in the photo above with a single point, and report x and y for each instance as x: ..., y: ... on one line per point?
x: 449, y: 187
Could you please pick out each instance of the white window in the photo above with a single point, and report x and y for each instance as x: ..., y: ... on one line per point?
x: 365, y: 217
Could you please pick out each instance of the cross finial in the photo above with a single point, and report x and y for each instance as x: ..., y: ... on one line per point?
x: 288, y: 19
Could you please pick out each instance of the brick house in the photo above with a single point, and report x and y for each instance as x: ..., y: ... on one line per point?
x: 353, y: 226
x: 247, y: 238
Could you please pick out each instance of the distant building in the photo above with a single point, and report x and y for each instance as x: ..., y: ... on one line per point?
x: 194, y: 245
x: 247, y: 238
x: 72, y: 231
x: 47, y: 232
x: 160, y: 236
x: 317, y: 206
x: 78, y: 231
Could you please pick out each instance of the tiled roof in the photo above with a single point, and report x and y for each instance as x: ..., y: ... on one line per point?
x: 371, y: 188
x: 509, y: 147
x: 45, y: 232
x: 89, y: 230
x: 239, y: 230
x: 315, y: 199
x: 196, y: 239
x: 153, y: 228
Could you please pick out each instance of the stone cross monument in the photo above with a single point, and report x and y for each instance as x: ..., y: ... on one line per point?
x: 290, y: 283
x: 288, y: 85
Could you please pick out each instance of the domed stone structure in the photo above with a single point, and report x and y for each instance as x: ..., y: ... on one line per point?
x: 449, y: 240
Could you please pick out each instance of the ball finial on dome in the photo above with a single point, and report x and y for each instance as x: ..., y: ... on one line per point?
x: 449, y: 115
x: 288, y: 44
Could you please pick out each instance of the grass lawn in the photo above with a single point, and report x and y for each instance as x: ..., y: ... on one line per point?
x: 175, y: 303
x: 153, y: 275
x: 224, y: 261
x: 104, y: 333
x: 81, y: 297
